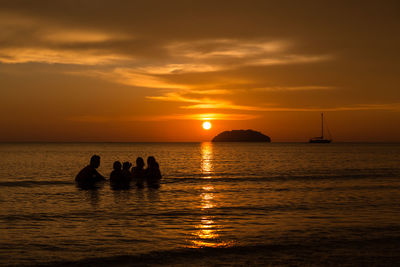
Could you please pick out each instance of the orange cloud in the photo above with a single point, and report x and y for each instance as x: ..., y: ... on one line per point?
x: 203, y: 103
x: 197, y: 116
x: 51, y: 56
x: 211, y: 48
x: 80, y: 36
x: 294, y: 88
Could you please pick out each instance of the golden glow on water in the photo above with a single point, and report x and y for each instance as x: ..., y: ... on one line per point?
x: 207, y: 196
x: 208, y: 188
x: 206, y: 159
x: 206, y: 169
x: 207, y: 233
x: 207, y: 200
x: 206, y: 223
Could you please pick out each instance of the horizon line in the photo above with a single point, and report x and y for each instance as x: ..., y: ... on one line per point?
x: 132, y: 142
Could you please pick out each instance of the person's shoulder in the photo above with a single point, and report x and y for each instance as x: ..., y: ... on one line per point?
x: 87, y: 168
x: 83, y: 172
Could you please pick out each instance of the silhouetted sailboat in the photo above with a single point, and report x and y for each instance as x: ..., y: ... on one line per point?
x: 320, y: 139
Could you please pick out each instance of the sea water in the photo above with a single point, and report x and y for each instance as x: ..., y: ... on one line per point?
x: 235, y: 197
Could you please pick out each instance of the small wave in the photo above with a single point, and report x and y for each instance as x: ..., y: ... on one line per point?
x: 332, y: 252
x: 34, y: 183
x: 274, y: 177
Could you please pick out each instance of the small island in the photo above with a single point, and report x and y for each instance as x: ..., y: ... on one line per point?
x: 241, y: 136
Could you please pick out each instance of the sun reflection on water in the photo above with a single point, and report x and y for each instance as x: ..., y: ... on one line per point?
x: 207, y: 235
x: 207, y: 200
x: 206, y: 159
x: 207, y: 231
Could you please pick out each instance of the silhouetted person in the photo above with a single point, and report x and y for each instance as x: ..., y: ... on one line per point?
x: 139, y: 173
x: 126, y: 173
x: 118, y: 178
x: 116, y: 174
x: 153, y: 174
x: 88, y: 176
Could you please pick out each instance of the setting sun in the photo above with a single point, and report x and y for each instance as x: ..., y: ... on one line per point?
x: 206, y: 125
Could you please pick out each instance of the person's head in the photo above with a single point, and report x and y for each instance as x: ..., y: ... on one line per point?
x: 117, y: 166
x: 95, y: 161
x: 126, y: 165
x: 140, y: 163
x: 151, y: 162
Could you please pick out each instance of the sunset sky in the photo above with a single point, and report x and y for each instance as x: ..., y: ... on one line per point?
x: 156, y: 70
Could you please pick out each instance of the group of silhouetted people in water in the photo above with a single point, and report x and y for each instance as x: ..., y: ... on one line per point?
x: 122, y: 176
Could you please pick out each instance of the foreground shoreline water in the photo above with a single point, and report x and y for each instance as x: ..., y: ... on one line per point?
x: 374, y: 252
x: 219, y: 204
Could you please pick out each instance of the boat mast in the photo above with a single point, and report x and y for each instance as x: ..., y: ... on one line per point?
x: 322, y: 125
